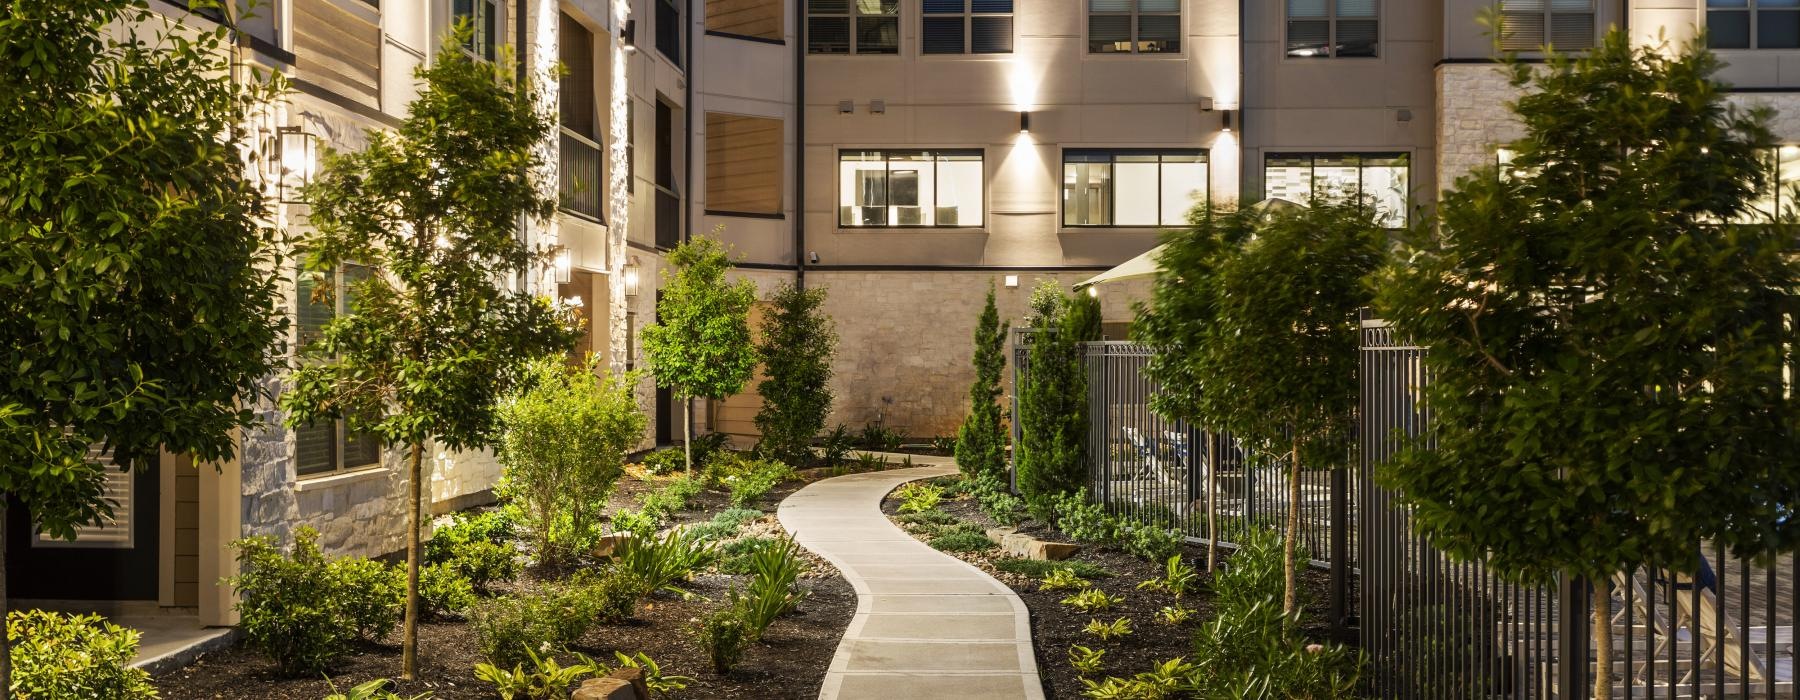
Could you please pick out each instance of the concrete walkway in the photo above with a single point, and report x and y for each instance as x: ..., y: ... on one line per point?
x: 927, y: 625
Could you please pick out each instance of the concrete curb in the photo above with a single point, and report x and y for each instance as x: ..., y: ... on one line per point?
x: 217, y: 638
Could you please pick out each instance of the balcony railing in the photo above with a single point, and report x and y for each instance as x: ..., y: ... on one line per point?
x: 578, y: 176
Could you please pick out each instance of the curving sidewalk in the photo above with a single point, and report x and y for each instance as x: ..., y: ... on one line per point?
x: 927, y: 625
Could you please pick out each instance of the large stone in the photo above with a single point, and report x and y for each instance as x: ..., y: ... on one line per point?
x: 998, y: 534
x: 623, y: 684
x: 1052, y: 551
x: 1017, y: 544
x: 608, y: 543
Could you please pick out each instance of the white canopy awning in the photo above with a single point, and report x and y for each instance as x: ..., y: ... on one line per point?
x: 1146, y: 265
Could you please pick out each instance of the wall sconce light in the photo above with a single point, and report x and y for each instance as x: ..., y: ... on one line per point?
x: 296, y: 151
x: 1024, y: 121
x: 878, y: 106
x: 813, y: 257
x: 1227, y: 116
x: 846, y: 107
x: 631, y: 278
x: 1206, y: 104
x: 1012, y: 280
x: 628, y: 35
x: 1093, y: 291
x: 563, y: 265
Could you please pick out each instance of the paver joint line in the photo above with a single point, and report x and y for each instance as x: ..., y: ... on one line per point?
x: 853, y: 503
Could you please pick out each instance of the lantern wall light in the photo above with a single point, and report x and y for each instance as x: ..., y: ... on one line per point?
x: 296, y: 152
x: 563, y: 264
x: 631, y: 278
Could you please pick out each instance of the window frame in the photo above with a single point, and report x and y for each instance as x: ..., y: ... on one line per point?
x: 853, y: 13
x: 1753, y: 17
x: 1549, y: 14
x: 1361, y: 170
x: 887, y: 160
x: 680, y: 10
x: 1331, y: 20
x: 480, y: 47
x: 1088, y: 14
x: 967, y: 17
x: 340, y: 437
x: 1112, y: 208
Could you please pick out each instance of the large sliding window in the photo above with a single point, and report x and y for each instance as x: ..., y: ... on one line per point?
x: 1132, y: 187
x: 1333, y: 28
x: 1782, y: 170
x: 910, y: 188
x: 1529, y: 25
x: 853, y: 26
x: 1753, y: 24
x: 967, y: 26
x: 327, y: 446
x: 1382, y: 179
x: 668, y: 29
x: 1134, y: 26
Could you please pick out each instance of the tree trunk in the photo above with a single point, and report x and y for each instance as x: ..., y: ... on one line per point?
x: 409, y: 646
x: 5, y: 607
x: 687, y: 432
x: 1212, y: 505
x: 1602, y: 639
x: 1288, y: 597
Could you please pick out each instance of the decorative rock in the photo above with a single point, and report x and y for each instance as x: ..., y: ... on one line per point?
x: 623, y: 684
x: 998, y: 535
x: 1016, y: 544
x: 607, y: 543
x: 1052, y: 551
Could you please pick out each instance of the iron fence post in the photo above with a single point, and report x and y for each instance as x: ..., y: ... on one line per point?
x: 1340, y: 548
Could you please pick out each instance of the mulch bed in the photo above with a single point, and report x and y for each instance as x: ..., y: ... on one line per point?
x: 790, y: 662
x: 1056, y: 627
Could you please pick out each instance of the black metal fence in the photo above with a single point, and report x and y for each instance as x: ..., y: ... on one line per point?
x: 1435, y: 628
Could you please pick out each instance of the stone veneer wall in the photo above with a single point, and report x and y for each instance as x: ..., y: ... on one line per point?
x: 907, y: 338
x: 1473, y: 118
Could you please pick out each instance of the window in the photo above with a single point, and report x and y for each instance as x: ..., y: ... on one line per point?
x: 910, y: 188
x: 579, y: 163
x: 1777, y: 195
x: 1333, y: 28
x: 853, y: 26
x: 743, y: 165
x: 749, y: 19
x: 1382, y: 179
x: 668, y: 30
x: 967, y: 26
x: 668, y: 201
x: 483, y: 17
x: 1753, y: 24
x: 630, y: 146
x: 1528, y: 25
x: 1134, y: 26
x: 326, y: 446
x: 1132, y: 187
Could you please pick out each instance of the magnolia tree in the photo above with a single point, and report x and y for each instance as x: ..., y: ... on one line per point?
x: 798, y: 342
x: 701, y: 345
x: 438, y: 333
x: 138, y: 308
x: 1053, y: 418
x: 981, y: 441
x: 1607, y: 358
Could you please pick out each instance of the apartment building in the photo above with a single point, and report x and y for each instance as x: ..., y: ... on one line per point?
x: 902, y: 154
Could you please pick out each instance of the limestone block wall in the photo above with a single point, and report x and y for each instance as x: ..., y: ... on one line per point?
x: 907, y: 338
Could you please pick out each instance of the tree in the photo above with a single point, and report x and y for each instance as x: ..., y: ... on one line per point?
x: 564, y: 437
x: 1606, y: 358
x: 437, y: 333
x: 700, y: 345
x: 1178, y: 320
x: 138, y: 310
x: 1276, y: 364
x: 798, y: 342
x: 1053, y: 416
x: 981, y: 441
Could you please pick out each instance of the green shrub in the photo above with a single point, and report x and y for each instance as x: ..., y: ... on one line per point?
x: 1090, y: 600
x: 919, y: 497
x: 1083, y: 520
x: 370, y: 690
x: 636, y: 522
x: 876, y: 437
x: 545, y: 680
x: 56, y: 655
x: 962, y: 541
x: 444, y: 592
x: 659, y: 562
x: 1175, y: 579
x: 303, y: 610
x: 929, y: 517
x: 981, y: 440
x: 775, y: 568
x: 1052, y: 415
x: 725, y: 635
x: 796, y: 348
x: 509, y: 628
x: 1108, y: 631
x: 836, y: 445
x: 725, y: 524
x: 1039, y: 569
x: 485, y: 563
x: 672, y: 498
x: 708, y: 445
x: 564, y: 437
x: 870, y: 462
x: 668, y: 460
x: 495, y: 526
x: 735, y: 556
x: 1152, y: 543
x: 1059, y: 579
x: 660, y: 684
x: 611, y: 595
x: 1086, y: 661
x: 749, y: 488
x: 738, y: 516
x: 992, y: 493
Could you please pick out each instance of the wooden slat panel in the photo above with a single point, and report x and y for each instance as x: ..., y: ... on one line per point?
x: 754, y: 18
x: 338, y: 49
x: 743, y: 164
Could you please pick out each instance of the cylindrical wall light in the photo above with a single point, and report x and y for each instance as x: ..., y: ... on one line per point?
x: 628, y: 35
x: 1024, y: 121
x: 1227, y: 116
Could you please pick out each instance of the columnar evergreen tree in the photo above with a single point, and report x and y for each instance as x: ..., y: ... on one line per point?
x: 1607, y: 359
x: 1178, y: 319
x: 798, y: 342
x: 1275, y: 364
x: 1053, y: 403
x: 981, y: 441
x: 137, y: 306
x: 437, y: 334
x: 701, y: 345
